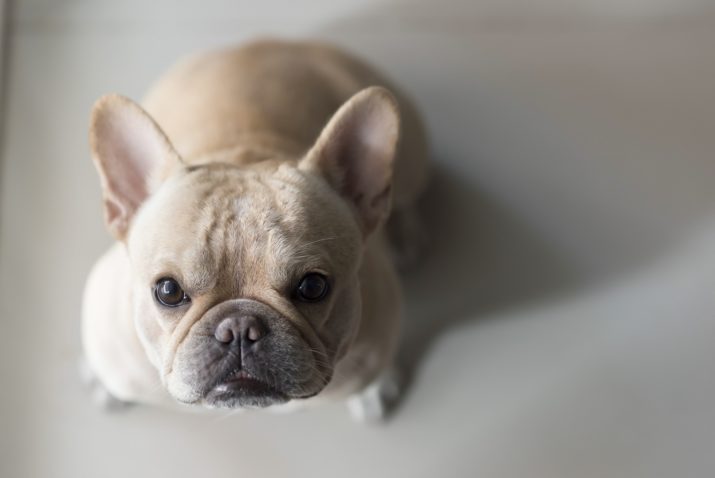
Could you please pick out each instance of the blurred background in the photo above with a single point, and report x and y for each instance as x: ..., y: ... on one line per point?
x: 563, y: 324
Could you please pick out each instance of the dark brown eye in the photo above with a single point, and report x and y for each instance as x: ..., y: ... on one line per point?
x: 312, y: 288
x: 169, y: 293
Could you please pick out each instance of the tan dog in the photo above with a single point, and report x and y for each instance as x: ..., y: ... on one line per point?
x: 248, y: 199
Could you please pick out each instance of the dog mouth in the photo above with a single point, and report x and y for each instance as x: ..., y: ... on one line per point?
x: 241, y: 389
x: 244, y: 381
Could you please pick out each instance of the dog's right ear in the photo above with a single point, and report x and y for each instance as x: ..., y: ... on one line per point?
x: 127, y: 148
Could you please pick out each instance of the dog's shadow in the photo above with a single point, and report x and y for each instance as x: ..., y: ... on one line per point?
x: 480, y: 260
x: 485, y: 258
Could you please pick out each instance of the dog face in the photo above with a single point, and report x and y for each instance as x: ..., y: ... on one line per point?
x: 245, y: 278
x: 246, y: 283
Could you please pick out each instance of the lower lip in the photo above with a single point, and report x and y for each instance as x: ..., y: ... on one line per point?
x: 244, y: 384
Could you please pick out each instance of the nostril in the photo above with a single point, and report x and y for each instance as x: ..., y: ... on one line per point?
x: 253, y: 334
x: 251, y: 329
x: 226, y: 331
x: 246, y: 329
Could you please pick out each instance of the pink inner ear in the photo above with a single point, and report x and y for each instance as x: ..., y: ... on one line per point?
x: 375, y: 130
x: 374, y: 149
x: 128, y: 147
x: 356, y: 150
x: 137, y: 150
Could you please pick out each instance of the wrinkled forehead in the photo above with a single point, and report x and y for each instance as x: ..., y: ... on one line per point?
x: 221, y: 218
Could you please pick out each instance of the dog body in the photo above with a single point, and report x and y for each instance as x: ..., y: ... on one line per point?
x: 249, y: 200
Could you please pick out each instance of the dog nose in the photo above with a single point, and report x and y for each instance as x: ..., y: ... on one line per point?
x: 245, y: 330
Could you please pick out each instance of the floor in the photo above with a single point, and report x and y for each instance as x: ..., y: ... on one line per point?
x: 563, y: 323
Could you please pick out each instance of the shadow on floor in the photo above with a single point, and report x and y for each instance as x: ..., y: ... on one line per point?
x: 485, y: 258
x: 481, y: 260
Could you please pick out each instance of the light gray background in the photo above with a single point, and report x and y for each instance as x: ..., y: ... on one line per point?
x: 563, y: 325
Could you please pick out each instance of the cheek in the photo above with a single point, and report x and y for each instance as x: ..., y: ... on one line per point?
x: 153, y: 334
x: 341, y: 325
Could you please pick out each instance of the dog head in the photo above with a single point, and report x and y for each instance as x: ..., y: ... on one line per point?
x: 245, y: 278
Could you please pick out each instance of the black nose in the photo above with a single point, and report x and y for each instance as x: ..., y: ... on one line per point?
x: 243, y: 330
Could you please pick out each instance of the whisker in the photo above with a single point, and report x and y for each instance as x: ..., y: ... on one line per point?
x: 322, y: 240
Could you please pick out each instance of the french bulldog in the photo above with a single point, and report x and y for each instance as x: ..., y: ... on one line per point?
x: 250, y: 198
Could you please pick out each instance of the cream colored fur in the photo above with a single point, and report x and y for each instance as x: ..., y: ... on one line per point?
x: 257, y: 122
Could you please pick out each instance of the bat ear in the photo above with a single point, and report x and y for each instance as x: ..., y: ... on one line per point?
x: 127, y: 147
x: 355, y: 153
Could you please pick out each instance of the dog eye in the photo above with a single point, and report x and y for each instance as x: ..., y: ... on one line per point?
x: 312, y: 288
x: 169, y: 293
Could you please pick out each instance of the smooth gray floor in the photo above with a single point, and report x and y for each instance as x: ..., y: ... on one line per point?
x: 564, y: 324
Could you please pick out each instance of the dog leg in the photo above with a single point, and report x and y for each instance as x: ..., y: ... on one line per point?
x: 374, y: 403
x: 102, y: 397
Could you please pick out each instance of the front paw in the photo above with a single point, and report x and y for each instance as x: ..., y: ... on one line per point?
x: 377, y: 400
x: 100, y: 395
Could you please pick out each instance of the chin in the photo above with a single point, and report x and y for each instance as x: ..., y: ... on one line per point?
x: 244, y: 393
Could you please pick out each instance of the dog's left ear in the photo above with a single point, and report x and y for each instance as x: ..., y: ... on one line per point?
x: 127, y: 148
x: 355, y: 153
